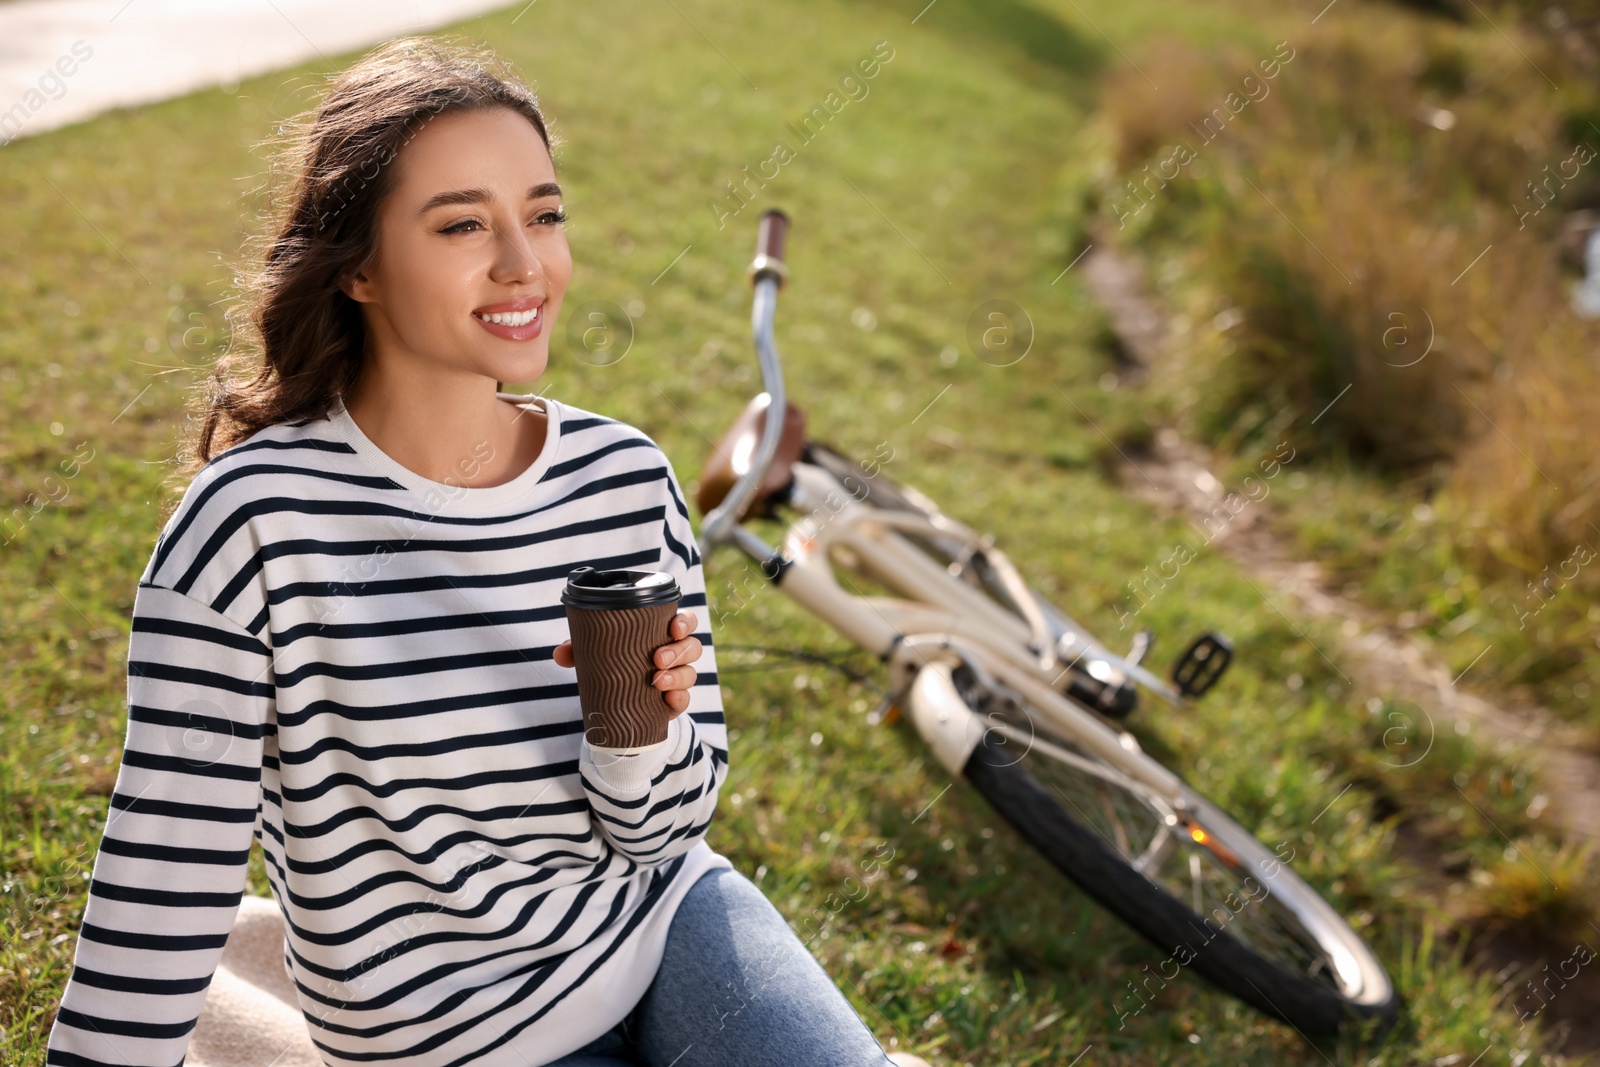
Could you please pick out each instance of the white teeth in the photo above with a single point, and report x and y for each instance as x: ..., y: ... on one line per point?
x: 511, y: 318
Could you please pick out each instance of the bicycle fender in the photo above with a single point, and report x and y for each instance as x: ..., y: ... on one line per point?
x: 946, y: 723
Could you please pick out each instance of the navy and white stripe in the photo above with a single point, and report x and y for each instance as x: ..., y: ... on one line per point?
x: 352, y: 665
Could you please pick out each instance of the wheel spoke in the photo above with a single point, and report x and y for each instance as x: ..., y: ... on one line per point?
x: 1196, y: 884
x: 1160, y: 848
x: 1111, y: 817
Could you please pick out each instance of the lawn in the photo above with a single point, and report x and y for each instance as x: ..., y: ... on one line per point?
x: 952, y: 182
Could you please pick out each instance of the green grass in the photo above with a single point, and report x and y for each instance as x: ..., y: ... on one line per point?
x: 956, y: 181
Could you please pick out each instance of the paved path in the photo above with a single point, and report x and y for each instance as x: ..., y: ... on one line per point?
x: 63, y: 61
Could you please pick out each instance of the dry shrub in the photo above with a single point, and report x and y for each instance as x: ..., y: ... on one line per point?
x: 1377, y: 267
x: 1533, y: 470
x: 1378, y: 205
x: 1348, y: 316
x: 1542, y: 885
x: 1147, y: 118
x: 1349, y: 229
x: 1491, y: 299
x: 1364, y: 89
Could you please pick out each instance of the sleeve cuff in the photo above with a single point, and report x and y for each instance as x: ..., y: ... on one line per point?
x: 633, y: 768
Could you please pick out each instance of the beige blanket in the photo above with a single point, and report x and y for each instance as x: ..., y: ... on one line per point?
x: 251, y: 1014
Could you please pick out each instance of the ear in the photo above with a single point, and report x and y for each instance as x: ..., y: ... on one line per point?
x: 358, y: 287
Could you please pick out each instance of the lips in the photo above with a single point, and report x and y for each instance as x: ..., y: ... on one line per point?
x: 513, y: 320
x: 521, y: 312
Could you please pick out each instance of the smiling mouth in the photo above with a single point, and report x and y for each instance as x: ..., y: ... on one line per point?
x: 510, y: 318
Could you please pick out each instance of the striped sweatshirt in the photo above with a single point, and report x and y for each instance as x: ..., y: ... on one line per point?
x: 351, y: 664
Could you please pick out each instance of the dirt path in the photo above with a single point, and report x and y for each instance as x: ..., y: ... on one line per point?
x: 1380, y: 658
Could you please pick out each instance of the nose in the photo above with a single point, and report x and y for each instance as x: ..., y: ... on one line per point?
x: 515, y: 259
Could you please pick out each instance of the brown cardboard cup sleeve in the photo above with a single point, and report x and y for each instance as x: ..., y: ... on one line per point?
x: 613, y: 650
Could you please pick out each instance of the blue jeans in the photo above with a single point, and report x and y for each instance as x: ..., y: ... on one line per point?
x: 736, y: 988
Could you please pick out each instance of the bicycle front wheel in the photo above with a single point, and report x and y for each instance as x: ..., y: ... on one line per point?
x: 1183, y: 874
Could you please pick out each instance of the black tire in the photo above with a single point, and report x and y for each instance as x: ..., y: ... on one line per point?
x: 1314, y: 1007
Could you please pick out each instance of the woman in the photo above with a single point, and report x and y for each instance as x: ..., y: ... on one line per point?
x: 348, y: 646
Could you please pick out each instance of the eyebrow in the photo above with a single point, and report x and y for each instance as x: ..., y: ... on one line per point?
x: 483, y: 196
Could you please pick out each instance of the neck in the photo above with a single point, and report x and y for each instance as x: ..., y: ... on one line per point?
x: 458, y: 432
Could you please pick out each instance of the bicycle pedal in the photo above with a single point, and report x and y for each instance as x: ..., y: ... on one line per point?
x: 1202, y: 663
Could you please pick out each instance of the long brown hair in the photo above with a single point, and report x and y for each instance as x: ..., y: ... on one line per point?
x: 299, y: 340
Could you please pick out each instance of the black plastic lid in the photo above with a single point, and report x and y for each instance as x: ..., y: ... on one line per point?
x: 589, y: 588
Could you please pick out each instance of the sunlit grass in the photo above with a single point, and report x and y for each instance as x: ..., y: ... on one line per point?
x: 951, y: 184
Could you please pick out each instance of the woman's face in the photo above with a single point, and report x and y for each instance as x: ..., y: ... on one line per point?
x: 471, y: 228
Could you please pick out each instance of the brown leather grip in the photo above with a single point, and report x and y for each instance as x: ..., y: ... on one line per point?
x: 774, y: 234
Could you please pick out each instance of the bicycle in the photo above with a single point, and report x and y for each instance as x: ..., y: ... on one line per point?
x: 1022, y: 702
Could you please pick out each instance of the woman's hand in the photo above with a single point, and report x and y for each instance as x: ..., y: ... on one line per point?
x: 676, y: 677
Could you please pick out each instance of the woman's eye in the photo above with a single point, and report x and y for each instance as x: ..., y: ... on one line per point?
x: 549, y: 218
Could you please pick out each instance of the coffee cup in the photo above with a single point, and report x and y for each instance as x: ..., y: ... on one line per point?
x: 617, y: 619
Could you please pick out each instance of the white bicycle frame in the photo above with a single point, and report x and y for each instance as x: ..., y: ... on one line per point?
x: 937, y: 617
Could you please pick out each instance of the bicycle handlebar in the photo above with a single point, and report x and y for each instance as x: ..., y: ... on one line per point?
x: 767, y: 274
